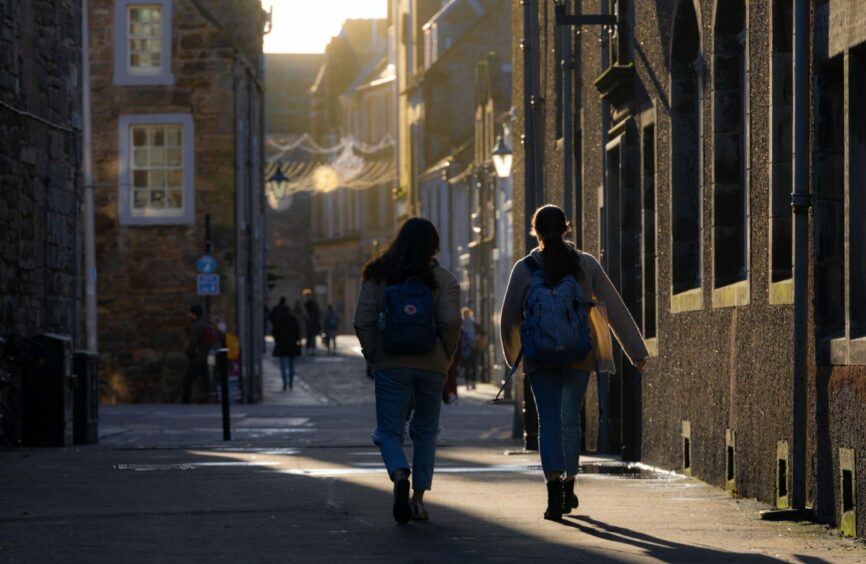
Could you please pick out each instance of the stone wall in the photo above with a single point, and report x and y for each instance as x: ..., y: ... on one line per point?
x: 40, y: 53
x: 147, y: 273
x: 450, y: 84
x: 720, y: 368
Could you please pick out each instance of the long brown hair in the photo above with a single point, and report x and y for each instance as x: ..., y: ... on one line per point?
x: 549, y: 226
x: 409, y: 254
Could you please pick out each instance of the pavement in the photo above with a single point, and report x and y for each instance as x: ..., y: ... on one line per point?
x: 301, y: 482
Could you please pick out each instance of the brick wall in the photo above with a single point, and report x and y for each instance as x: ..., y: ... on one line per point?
x: 39, y: 74
x: 147, y: 273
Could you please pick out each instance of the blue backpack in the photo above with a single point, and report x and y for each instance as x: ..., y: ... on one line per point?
x: 407, y: 323
x: 555, y: 327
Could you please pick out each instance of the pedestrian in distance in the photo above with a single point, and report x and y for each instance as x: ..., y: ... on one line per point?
x: 287, y: 336
x: 314, y: 321
x: 546, y: 321
x: 408, y: 323
x: 201, y: 337
x: 470, y: 337
x: 330, y: 325
x: 301, y: 315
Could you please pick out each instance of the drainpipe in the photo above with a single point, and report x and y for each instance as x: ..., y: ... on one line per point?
x: 529, y: 140
x: 801, y: 201
x: 90, y: 318
x: 566, y: 64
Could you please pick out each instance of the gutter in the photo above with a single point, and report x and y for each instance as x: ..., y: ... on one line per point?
x: 801, y: 201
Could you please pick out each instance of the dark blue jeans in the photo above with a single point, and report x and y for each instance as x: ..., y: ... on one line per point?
x: 395, y: 388
x: 287, y: 369
x: 559, y: 394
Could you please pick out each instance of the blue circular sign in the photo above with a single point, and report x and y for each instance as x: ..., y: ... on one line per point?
x: 206, y: 264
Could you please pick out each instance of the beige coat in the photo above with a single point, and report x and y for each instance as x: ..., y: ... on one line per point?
x: 446, y: 301
x: 595, y: 283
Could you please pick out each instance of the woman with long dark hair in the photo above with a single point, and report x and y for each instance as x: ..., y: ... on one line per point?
x: 559, y: 385
x: 408, y: 323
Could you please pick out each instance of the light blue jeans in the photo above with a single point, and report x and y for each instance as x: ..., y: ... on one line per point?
x: 559, y: 394
x: 395, y: 388
x: 287, y: 369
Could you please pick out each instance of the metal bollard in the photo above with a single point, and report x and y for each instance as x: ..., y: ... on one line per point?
x: 223, y: 365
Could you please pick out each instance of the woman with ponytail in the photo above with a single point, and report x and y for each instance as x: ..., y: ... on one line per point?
x: 559, y: 387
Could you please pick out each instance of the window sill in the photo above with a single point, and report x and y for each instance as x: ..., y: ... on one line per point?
x: 157, y: 220
x: 652, y: 345
x: 690, y: 300
x: 732, y: 295
x: 129, y: 79
x: 782, y: 293
x: 844, y: 351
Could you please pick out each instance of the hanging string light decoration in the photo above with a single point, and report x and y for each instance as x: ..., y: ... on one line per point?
x: 304, y: 165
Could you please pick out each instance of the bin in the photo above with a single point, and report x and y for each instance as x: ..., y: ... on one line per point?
x: 86, y: 409
x: 46, y: 392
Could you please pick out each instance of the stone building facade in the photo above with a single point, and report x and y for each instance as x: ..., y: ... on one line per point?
x: 668, y: 139
x: 178, y: 140
x: 457, y: 86
x: 40, y: 148
x: 352, y: 113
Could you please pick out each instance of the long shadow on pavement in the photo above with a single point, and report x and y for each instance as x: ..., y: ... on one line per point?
x: 175, y: 506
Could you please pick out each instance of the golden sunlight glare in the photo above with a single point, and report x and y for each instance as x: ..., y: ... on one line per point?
x: 306, y: 26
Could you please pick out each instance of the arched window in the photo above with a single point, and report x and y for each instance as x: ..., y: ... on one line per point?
x: 685, y: 149
x: 730, y: 166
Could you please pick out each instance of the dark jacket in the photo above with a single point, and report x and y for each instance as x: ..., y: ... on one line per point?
x: 447, y: 303
x: 314, y: 324
x: 286, y: 332
x: 195, y: 348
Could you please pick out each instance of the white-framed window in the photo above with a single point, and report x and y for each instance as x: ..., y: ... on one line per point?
x: 156, y: 181
x: 142, y: 42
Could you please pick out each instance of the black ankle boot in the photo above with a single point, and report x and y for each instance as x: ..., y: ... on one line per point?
x: 569, y: 500
x: 554, y: 500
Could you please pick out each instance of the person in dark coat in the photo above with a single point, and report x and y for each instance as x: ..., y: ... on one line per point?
x: 314, y: 321
x: 287, y: 335
x: 196, y: 351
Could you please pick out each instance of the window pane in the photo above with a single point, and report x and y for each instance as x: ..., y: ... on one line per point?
x: 139, y: 157
x: 139, y: 199
x: 156, y: 167
x: 172, y: 136
x: 175, y: 178
x: 157, y: 198
x: 174, y: 156
x: 144, y: 39
x: 157, y: 178
x: 139, y: 179
x: 157, y: 156
x: 175, y: 199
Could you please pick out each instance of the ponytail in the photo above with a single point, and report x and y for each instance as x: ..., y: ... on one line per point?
x: 549, y: 226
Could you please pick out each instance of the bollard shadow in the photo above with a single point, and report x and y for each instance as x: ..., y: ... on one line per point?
x: 663, y: 549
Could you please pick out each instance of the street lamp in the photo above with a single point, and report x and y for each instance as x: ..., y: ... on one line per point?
x: 502, y: 156
x: 279, y: 182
